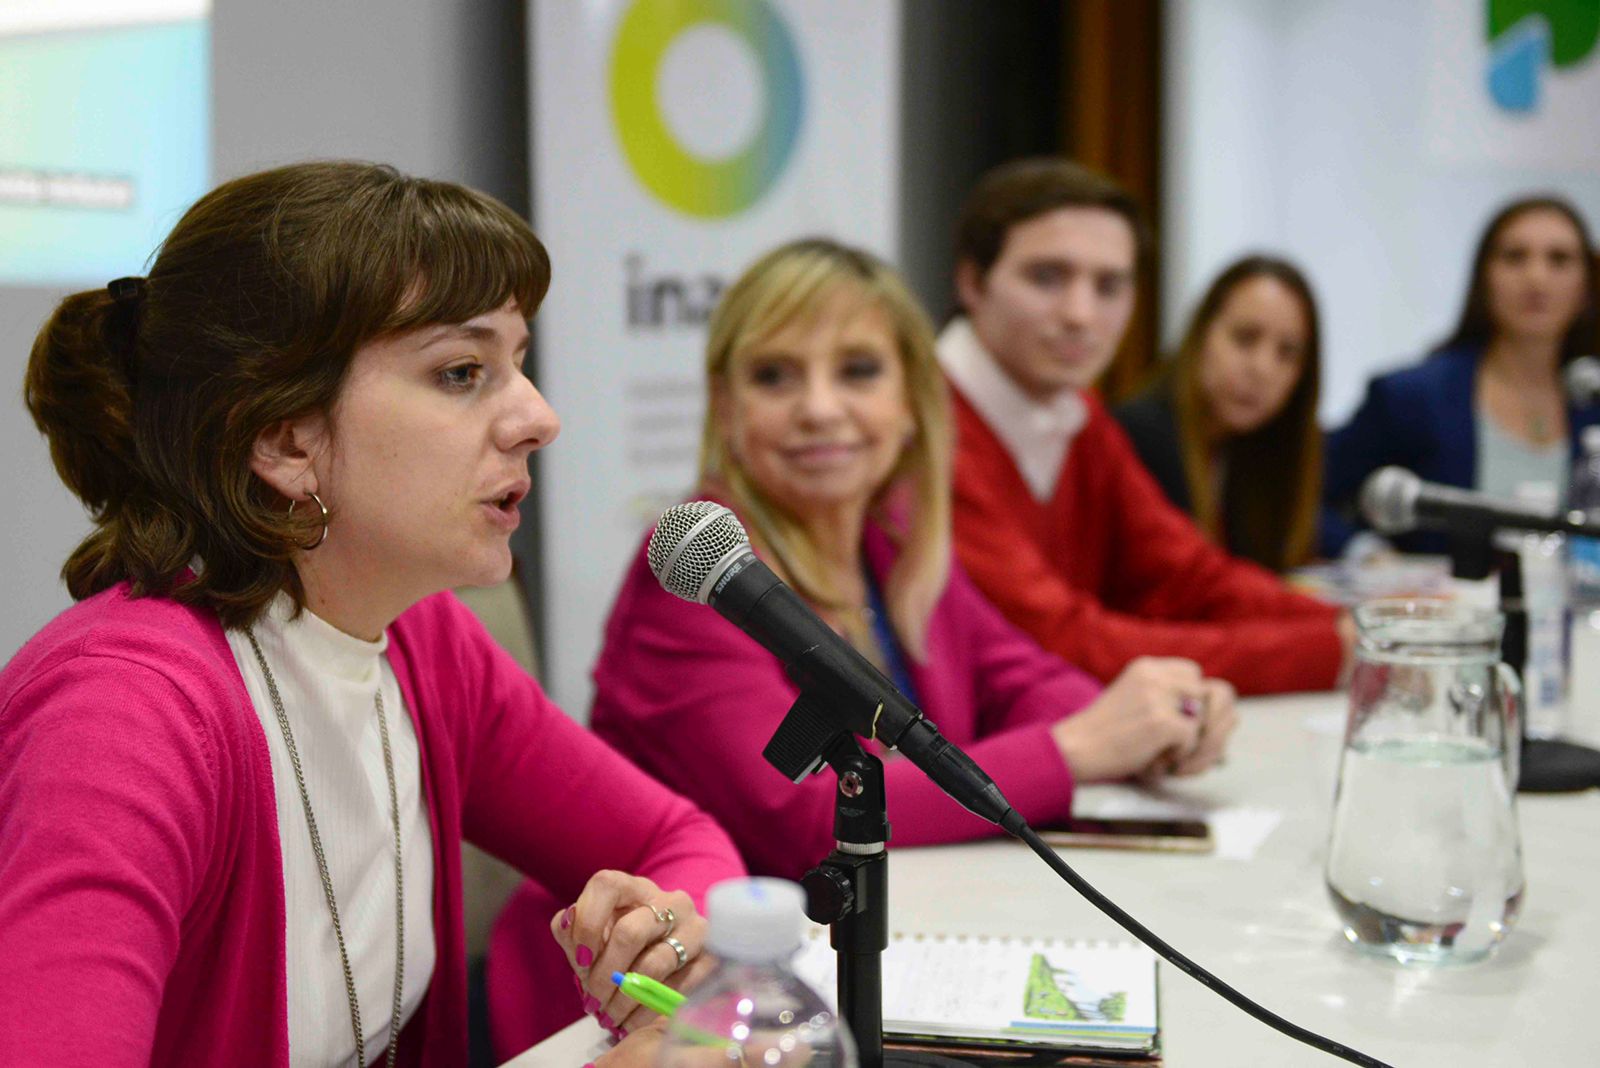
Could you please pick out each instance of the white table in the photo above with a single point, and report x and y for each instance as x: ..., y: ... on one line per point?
x: 1265, y: 925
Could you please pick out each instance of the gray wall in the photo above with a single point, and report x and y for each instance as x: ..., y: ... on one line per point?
x: 40, y: 521
x: 436, y: 88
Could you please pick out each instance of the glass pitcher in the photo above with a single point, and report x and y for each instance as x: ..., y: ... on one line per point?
x: 1424, y: 859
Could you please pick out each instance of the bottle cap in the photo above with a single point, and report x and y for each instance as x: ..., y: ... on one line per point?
x: 755, y: 919
x: 1591, y: 439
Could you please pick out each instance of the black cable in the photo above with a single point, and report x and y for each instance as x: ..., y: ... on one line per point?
x: 1184, y: 964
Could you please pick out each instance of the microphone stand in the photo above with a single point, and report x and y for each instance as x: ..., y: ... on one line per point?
x: 1546, y: 765
x: 849, y: 890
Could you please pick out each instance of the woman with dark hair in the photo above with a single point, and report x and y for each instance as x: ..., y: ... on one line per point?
x: 1486, y: 411
x: 235, y: 777
x: 827, y: 432
x: 1230, y: 430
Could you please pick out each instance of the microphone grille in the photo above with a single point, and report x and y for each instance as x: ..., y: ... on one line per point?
x: 1389, y: 500
x: 689, y: 542
x: 1582, y: 380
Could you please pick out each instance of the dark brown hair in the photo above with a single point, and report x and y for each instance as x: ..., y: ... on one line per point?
x: 1275, y: 471
x: 251, y: 313
x: 1024, y: 189
x: 1476, y: 325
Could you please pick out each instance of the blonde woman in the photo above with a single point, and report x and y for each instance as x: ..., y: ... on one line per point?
x: 827, y: 433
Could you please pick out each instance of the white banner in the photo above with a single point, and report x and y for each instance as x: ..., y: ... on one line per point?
x: 1369, y: 141
x: 673, y: 142
x: 1514, y: 82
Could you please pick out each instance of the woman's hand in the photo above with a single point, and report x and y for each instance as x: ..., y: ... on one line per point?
x: 622, y: 923
x: 638, y: 1049
x: 642, y: 1049
x: 1159, y: 717
x: 1217, y: 717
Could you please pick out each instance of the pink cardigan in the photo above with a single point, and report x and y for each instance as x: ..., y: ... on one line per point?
x: 692, y: 700
x: 141, y: 886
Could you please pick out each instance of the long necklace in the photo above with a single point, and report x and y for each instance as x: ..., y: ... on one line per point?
x: 322, y: 864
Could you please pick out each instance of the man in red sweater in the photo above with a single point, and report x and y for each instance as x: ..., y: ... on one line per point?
x: 1056, y: 519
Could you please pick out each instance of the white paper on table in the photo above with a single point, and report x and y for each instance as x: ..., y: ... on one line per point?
x: 582, y: 1042
x: 1237, y: 830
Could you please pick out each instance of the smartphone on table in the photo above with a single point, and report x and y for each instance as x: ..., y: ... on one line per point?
x: 1163, y: 835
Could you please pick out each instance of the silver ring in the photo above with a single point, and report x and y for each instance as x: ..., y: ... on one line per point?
x: 666, y: 916
x: 677, y: 947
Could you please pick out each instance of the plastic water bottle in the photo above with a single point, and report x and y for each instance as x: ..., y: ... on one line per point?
x: 1544, y: 591
x: 1583, y: 597
x: 1583, y: 554
x: 1544, y: 587
x: 753, y: 1010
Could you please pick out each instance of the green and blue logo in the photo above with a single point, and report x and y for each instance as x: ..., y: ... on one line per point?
x: 694, y: 185
x: 1527, y: 36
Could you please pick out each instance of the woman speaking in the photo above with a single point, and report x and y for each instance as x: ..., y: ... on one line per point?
x: 826, y: 432
x: 235, y: 777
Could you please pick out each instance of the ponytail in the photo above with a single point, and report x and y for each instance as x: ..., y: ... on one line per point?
x: 79, y: 390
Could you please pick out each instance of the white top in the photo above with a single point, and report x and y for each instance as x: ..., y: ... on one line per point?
x: 327, y: 681
x: 1512, y: 470
x: 1036, y: 433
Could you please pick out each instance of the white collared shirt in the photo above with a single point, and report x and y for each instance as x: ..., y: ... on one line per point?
x: 327, y: 680
x: 1038, y: 434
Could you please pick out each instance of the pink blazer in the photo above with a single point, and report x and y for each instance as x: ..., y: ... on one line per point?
x: 691, y: 699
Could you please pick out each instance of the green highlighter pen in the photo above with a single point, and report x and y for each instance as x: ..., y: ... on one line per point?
x: 661, y: 998
x: 657, y: 997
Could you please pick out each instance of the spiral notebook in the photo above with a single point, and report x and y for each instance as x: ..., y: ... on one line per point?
x: 1022, y: 994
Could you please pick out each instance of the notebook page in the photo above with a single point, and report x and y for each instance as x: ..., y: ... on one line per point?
x: 1100, y: 994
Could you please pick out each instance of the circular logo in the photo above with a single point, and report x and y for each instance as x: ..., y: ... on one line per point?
x: 706, y: 188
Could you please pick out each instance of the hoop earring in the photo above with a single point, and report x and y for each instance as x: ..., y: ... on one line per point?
x: 324, y: 508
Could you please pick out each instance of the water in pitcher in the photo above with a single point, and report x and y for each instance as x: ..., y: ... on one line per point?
x: 1424, y: 863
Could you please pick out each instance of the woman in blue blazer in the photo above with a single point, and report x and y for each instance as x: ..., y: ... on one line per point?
x: 1493, y: 385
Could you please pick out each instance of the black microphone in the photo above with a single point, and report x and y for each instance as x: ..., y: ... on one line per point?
x: 1396, y: 501
x: 700, y: 552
